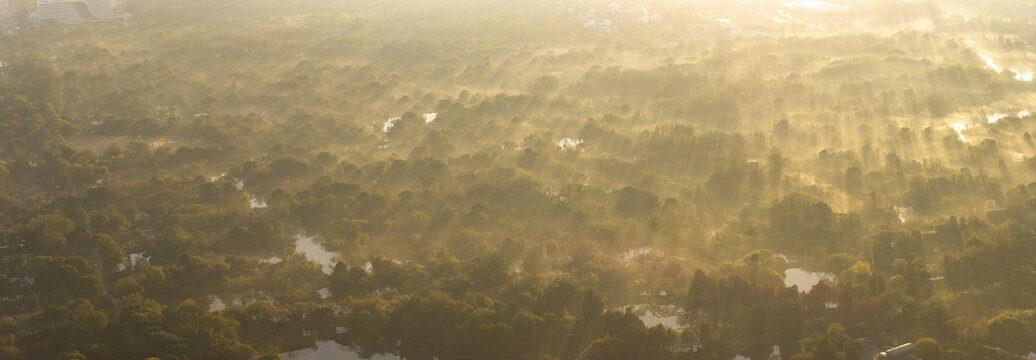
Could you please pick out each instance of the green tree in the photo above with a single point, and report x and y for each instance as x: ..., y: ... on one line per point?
x: 127, y: 286
x: 1013, y: 330
x: 800, y: 221
x: 111, y: 253
x: 928, y: 349
x: 635, y: 202
x: 89, y: 287
x: 831, y: 344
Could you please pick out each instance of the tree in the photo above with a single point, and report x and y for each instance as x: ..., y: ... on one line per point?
x: 111, y: 253
x: 593, y: 306
x: 49, y: 233
x: 940, y: 105
x: 490, y: 272
x: 1013, y: 330
x: 775, y: 163
x: 8, y: 350
x: 58, y: 274
x: 635, y: 202
x: 831, y: 344
x: 289, y: 168
x: 734, y: 181
x: 560, y: 296
x: 700, y: 292
x: 127, y: 286
x: 801, y: 221
x: 758, y: 320
x: 920, y: 195
x: 928, y: 349
x: 607, y: 348
x: 84, y: 323
x: 37, y: 78
x: 75, y: 355
x: 89, y: 287
x: 853, y: 180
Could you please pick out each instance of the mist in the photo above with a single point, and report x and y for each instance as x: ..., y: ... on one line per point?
x: 560, y: 179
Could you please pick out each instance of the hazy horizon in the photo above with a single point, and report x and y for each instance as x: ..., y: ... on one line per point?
x: 533, y: 180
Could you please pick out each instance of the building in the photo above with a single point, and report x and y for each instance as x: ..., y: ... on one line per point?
x: 869, y: 350
x: 898, y: 352
x: 66, y: 12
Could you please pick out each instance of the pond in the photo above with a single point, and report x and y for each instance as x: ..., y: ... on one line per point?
x: 389, y: 124
x: 775, y: 354
x: 1019, y: 75
x: 219, y: 305
x: 902, y: 213
x: 569, y: 143
x: 994, y: 118
x: 324, y: 293
x: 805, y: 280
x: 651, y: 315
x: 958, y: 127
x: 330, y: 350
x: 315, y: 252
x: 256, y: 203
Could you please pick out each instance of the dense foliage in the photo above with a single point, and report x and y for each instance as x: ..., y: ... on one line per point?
x: 499, y: 181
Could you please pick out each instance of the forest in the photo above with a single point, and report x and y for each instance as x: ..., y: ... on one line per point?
x: 533, y: 180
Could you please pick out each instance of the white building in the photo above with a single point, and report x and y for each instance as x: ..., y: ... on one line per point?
x: 63, y: 12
